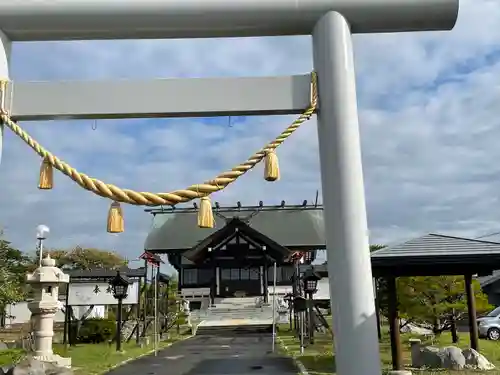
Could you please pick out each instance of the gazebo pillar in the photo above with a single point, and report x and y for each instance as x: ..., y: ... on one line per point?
x: 377, y: 307
x: 396, y: 351
x: 471, y: 310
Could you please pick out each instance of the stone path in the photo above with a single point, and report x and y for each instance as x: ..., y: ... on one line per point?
x: 213, y: 355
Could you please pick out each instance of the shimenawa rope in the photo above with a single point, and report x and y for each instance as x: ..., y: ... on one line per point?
x: 133, y: 197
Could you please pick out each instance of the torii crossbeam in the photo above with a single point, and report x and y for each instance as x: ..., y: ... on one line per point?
x: 331, y: 23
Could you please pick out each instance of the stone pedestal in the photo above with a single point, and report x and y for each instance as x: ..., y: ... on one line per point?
x: 415, y: 345
x: 45, y: 281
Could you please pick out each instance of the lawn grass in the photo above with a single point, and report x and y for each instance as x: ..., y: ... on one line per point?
x: 10, y: 356
x: 93, y: 359
x: 319, y: 359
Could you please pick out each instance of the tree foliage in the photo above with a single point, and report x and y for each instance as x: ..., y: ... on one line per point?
x: 81, y: 258
x: 376, y: 247
x: 433, y: 300
x: 13, y: 267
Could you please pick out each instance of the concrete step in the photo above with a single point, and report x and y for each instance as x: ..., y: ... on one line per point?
x: 226, y: 312
x: 235, y: 311
x: 225, y: 309
x: 234, y: 314
x: 234, y: 330
x: 235, y: 300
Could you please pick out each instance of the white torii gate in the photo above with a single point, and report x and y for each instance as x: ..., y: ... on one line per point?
x: 331, y: 23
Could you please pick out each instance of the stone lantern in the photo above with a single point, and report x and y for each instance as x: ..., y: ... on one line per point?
x: 46, y: 281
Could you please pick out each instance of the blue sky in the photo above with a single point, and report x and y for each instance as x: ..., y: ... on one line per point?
x: 429, y: 122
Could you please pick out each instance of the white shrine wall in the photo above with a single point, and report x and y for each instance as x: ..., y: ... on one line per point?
x: 18, y: 313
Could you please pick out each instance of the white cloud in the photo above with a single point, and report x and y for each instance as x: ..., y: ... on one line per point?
x: 428, y: 115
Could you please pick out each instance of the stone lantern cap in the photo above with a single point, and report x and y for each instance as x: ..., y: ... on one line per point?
x: 47, y: 273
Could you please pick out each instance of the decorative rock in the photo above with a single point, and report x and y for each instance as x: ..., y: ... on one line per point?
x: 476, y: 360
x: 449, y: 357
x: 3, y: 346
x: 452, y: 358
x: 429, y: 357
x: 31, y: 366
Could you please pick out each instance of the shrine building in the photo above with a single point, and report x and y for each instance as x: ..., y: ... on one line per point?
x: 236, y: 258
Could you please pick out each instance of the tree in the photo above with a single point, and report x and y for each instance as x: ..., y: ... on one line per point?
x: 434, y: 300
x: 81, y: 258
x: 13, y: 268
x: 376, y: 247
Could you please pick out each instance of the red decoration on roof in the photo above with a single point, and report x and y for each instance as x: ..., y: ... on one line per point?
x: 297, y: 255
x: 151, y: 258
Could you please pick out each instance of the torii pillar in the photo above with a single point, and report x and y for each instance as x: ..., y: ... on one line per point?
x: 331, y: 23
x: 5, y: 51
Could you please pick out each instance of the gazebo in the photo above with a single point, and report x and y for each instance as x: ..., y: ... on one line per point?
x: 434, y: 255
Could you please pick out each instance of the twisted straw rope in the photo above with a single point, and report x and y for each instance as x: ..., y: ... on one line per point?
x: 157, y: 199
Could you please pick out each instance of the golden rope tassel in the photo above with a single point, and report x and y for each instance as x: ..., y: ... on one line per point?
x: 141, y: 198
x: 205, y: 214
x: 46, y: 180
x: 115, y: 218
x: 271, y: 167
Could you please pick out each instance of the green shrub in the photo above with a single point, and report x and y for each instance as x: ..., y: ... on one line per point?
x: 10, y: 356
x: 111, y: 315
x: 96, y: 331
x: 181, y: 319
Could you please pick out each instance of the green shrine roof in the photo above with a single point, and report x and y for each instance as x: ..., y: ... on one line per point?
x: 294, y: 228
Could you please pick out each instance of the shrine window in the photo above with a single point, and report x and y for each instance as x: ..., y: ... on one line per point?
x: 235, y: 273
x: 189, y: 276
x: 225, y: 274
x: 254, y: 274
x: 245, y: 274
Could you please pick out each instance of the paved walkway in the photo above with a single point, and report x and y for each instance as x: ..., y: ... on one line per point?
x: 213, y: 355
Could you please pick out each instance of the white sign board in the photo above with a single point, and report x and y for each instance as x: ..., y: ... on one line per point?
x: 99, y: 293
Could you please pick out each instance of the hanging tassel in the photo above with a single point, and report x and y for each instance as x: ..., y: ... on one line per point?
x: 205, y: 214
x: 115, y: 218
x: 46, y: 181
x: 271, y: 167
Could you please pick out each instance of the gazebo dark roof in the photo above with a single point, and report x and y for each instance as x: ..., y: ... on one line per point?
x: 273, y: 249
x: 436, y: 254
x: 295, y: 228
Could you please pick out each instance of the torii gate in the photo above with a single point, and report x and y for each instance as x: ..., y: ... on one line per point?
x: 330, y: 22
